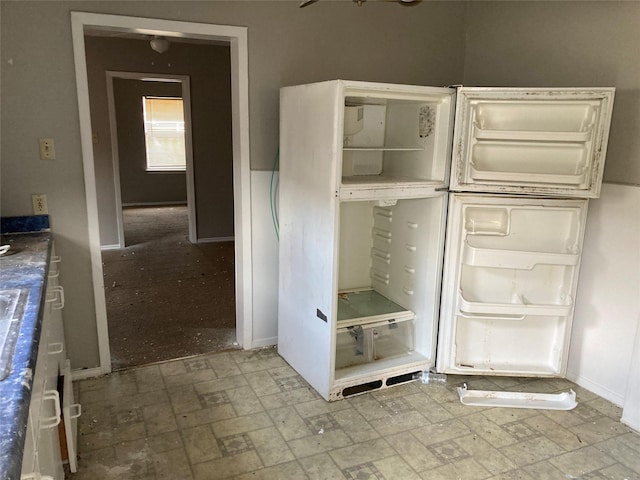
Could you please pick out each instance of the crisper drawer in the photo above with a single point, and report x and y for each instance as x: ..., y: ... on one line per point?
x: 531, y: 141
x: 362, y: 344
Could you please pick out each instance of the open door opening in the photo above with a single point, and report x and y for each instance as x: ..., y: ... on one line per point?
x: 236, y: 39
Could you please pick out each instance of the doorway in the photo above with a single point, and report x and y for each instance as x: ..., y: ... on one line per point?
x: 236, y: 38
x: 142, y: 186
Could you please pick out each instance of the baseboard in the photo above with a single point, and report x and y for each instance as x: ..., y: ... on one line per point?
x: 599, y: 390
x: 84, y: 373
x: 114, y: 246
x: 264, y: 342
x: 154, y: 204
x: 216, y: 239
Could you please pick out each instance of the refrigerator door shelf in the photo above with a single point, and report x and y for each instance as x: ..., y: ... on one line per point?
x: 522, y: 307
x: 542, y: 401
x: 514, y: 345
x: 516, y: 259
x: 482, y: 134
x: 528, y: 165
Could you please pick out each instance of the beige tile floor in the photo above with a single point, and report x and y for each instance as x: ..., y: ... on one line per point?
x: 248, y: 415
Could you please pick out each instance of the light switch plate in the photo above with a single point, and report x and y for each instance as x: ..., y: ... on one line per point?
x: 47, y: 149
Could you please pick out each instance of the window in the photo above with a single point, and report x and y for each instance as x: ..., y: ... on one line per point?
x: 164, y: 133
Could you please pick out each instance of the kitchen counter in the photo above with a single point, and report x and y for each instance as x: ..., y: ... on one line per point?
x: 25, y: 266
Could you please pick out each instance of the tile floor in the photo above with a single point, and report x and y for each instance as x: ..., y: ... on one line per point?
x: 248, y: 415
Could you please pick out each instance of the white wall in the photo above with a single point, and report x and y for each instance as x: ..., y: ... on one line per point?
x: 608, y: 299
x: 264, y: 255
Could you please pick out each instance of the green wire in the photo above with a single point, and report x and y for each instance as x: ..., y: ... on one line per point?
x: 274, y: 217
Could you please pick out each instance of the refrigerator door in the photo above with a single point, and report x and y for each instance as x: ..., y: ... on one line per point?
x: 540, y: 141
x: 510, y: 277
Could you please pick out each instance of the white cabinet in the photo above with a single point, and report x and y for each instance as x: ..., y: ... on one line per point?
x: 42, y: 454
x: 362, y: 212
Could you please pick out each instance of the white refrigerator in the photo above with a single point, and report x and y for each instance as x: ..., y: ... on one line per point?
x: 432, y: 228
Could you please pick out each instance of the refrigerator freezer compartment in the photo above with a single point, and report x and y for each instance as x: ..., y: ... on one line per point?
x: 489, y: 344
x: 368, y: 306
x: 529, y: 163
x: 373, y: 342
x: 544, y: 401
x: 400, y: 139
x: 555, y: 118
x: 517, y: 259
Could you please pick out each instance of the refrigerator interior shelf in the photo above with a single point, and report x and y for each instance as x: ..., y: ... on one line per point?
x: 530, y: 135
x: 544, y: 401
x: 520, y: 308
x: 383, y: 149
x: 373, y: 187
x: 368, y: 306
x: 524, y: 260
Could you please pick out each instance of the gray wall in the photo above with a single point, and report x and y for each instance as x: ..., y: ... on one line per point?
x: 137, y: 186
x: 565, y: 44
x: 380, y: 41
x: 209, y: 69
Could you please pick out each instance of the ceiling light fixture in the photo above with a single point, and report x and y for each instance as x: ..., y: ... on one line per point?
x: 159, y: 44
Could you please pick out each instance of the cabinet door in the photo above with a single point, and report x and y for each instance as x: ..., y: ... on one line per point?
x: 531, y: 141
x: 511, y: 271
x: 309, y: 184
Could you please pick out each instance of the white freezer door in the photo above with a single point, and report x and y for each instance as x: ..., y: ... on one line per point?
x: 510, y: 277
x: 541, y: 141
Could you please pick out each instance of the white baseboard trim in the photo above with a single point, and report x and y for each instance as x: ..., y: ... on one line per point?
x: 114, y: 246
x: 84, y: 373
x: 216, y: 239
x: 599, y: 390
x: 263, y: 342
x: 154, y: 204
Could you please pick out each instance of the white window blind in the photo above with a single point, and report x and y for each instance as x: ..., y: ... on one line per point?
x: 164, y: 133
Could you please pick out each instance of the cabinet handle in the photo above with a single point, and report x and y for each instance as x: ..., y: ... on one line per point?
x: 50, y: 422
x: 56, y: 298
x: 55, y: 348
x: 55, y: 259
x: 74, y: 410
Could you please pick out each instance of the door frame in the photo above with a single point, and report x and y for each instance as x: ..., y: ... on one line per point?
x: 236, y: 37
x: 115, y: 155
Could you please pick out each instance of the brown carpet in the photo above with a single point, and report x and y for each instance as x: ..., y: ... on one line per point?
x: 167, y: 298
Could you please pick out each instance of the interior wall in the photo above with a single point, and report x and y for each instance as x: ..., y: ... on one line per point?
x: 209, y: 69
x: 380, y: 41
x: 137, y: 185
x: 565, y: 44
